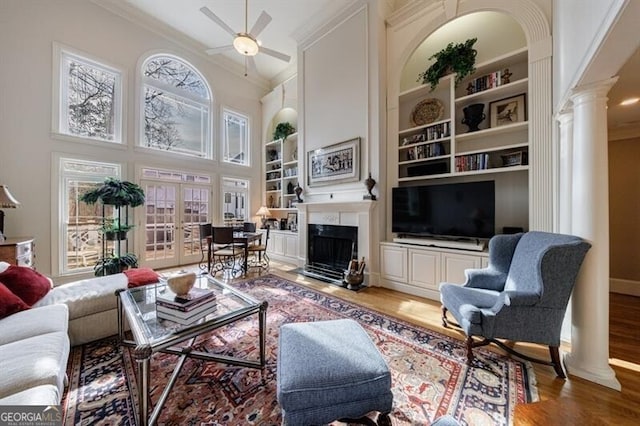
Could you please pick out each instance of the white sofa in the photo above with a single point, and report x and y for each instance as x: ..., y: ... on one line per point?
x: 92, y: 306
x: 35, y: 343
x: 34, y: 348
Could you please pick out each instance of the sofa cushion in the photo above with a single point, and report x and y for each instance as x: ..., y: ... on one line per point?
x: 9, y: 302
x: 87, y: 297
x: 26, y: 283
x: 33, y: 322
x: 4, y: 266
x: 38, y: 395
x: 141, y: 276
x: 34, y: 361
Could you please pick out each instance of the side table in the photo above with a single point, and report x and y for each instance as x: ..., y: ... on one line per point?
x: 18, y: 251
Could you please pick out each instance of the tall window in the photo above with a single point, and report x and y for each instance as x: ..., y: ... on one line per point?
x: 80, y: 244
x: 90, y: 99
x: 236, y: 136
x: 235, y: 194
x: 176, y: 110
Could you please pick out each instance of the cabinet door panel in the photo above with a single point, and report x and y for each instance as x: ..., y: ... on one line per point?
x: 394, y: 263
x: 424, y: 268
x: 454, y: 265
x: 291, y: 246
x: 278, y: 244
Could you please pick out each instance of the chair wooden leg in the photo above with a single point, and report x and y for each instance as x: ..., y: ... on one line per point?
x: 469, y: 342
x: 555, y: 360
x: 445, y: 324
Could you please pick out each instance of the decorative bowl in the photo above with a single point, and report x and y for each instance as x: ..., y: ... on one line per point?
x: 181, y: 284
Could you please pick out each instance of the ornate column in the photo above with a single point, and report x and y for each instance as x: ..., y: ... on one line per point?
x: 589, y: 357
x: 563, y: 197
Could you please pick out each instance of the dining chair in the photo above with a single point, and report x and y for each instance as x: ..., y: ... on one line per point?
x: 259, y: 257
x: 249, y: 227
x: 205, y: 231
x: 226, y: 256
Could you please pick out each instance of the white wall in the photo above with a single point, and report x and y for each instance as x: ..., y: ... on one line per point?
x: 27, y: 30
x: 579, y: 29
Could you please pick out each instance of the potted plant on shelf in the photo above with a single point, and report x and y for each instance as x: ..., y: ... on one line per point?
x: 283, y: 130
x: 115, y: 192
x: 115, y: 264
x: 459, y: 58
x: 115, y: 231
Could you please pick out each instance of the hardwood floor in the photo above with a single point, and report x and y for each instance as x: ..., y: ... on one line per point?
x: 578, y: 396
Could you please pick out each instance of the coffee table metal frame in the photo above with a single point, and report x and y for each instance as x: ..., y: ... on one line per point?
x: 151, y: 335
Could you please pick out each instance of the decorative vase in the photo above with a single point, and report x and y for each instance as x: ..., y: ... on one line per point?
x: 298, y: 191
x: 369, y: 183
x: 181, y: 284
x: 473, y: 116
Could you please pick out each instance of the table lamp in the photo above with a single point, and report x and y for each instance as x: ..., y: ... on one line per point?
x: 7, y: 201
x: 263, y: 212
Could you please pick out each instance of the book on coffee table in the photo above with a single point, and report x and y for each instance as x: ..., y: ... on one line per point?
x: 194, y: 299
x: 181, y: 318
x: 180, y: 313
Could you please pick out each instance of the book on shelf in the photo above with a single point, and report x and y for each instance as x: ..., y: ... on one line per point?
x: 195, y: 297
x: 188, y: 320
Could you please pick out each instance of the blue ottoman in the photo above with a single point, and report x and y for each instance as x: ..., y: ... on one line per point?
x: 330, y: 370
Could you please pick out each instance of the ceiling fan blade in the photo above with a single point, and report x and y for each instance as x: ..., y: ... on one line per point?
x: 221, y: 49
x: 220, y: 22
x: 261, y: 23
x: 251, y: 65
x: 275, y: 54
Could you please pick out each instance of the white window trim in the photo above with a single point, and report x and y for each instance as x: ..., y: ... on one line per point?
x: 57, y: 208
x: 141, y: 80
x: 58, y: 80
x: 223, y: 136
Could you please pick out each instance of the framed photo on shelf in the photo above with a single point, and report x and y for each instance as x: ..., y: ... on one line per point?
x: 508, y: 111
x: 336, y: 163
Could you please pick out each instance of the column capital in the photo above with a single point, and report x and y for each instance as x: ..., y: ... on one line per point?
x: 564, y: 116
x: 595, y: 90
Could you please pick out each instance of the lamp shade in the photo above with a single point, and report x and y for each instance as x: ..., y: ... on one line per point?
x: 246, y: 45
x: 263, y: 211
x: 7, y: 201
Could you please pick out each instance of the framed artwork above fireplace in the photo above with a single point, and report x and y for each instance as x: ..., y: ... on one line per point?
x: 336, y: 163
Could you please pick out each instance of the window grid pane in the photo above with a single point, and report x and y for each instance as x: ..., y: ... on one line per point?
x: 89, y: 100
x: 235, y: 145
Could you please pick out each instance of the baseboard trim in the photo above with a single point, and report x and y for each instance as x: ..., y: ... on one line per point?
x: 629, y: 287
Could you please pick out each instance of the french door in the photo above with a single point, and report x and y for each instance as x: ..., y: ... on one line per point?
x: 174, y: 212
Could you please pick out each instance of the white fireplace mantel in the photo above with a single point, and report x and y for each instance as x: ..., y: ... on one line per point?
x: 360, y: 213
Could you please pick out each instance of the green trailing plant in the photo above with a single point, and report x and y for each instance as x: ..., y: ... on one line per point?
x: 116, y: 193
x: 283, y: 130
x: 113, y: 226
x: 115, y: 264
x: 459, y: 58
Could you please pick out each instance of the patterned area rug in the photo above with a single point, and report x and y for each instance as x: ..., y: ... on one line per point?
x: 429, y: 372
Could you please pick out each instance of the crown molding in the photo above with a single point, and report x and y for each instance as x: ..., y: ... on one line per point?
x: 137, y: 17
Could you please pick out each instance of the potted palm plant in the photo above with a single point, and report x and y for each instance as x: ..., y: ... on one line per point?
x: 115, y: 264
x: 114, y: 230
x: 115, y: 192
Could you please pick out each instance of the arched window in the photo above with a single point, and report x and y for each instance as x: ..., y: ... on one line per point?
x: 176, y: 110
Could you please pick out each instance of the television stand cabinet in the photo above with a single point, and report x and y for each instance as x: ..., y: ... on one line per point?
x: 419, y: 270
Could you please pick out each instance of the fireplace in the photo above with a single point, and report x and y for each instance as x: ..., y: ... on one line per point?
x: 329, y: 250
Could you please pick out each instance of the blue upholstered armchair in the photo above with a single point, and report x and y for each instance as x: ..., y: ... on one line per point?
x: 522, y: 295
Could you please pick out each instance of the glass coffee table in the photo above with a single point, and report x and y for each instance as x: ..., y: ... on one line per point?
x: 151, y: 334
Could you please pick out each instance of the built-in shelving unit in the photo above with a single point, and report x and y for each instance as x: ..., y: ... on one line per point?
x: 445, y: 147
x: 281, y: 172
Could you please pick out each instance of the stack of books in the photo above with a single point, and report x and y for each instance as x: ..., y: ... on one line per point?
x: 185, y: 309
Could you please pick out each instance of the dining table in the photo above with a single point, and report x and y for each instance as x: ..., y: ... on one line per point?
x: 239, y: 237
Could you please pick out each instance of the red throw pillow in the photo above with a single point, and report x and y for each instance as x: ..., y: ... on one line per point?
x: 27, y: 284
x: 141, y: 276
x: 9, y: 302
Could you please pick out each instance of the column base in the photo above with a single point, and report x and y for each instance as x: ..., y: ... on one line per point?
x: 603, y: 376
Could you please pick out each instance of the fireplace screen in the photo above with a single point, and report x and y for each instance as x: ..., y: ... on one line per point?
x: 330, y: 248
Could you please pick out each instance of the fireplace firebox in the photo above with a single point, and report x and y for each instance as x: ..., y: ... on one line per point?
x: 330, y: 248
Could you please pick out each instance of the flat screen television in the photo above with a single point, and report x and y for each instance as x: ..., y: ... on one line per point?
x: 460, y: 210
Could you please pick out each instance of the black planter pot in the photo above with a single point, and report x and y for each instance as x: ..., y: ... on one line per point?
x: 115, y: 236
x: 473, y: 116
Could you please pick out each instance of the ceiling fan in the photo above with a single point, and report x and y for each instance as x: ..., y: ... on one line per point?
x: 246, y: 43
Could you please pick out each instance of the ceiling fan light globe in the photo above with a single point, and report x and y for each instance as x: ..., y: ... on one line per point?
x: 246, y: 45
